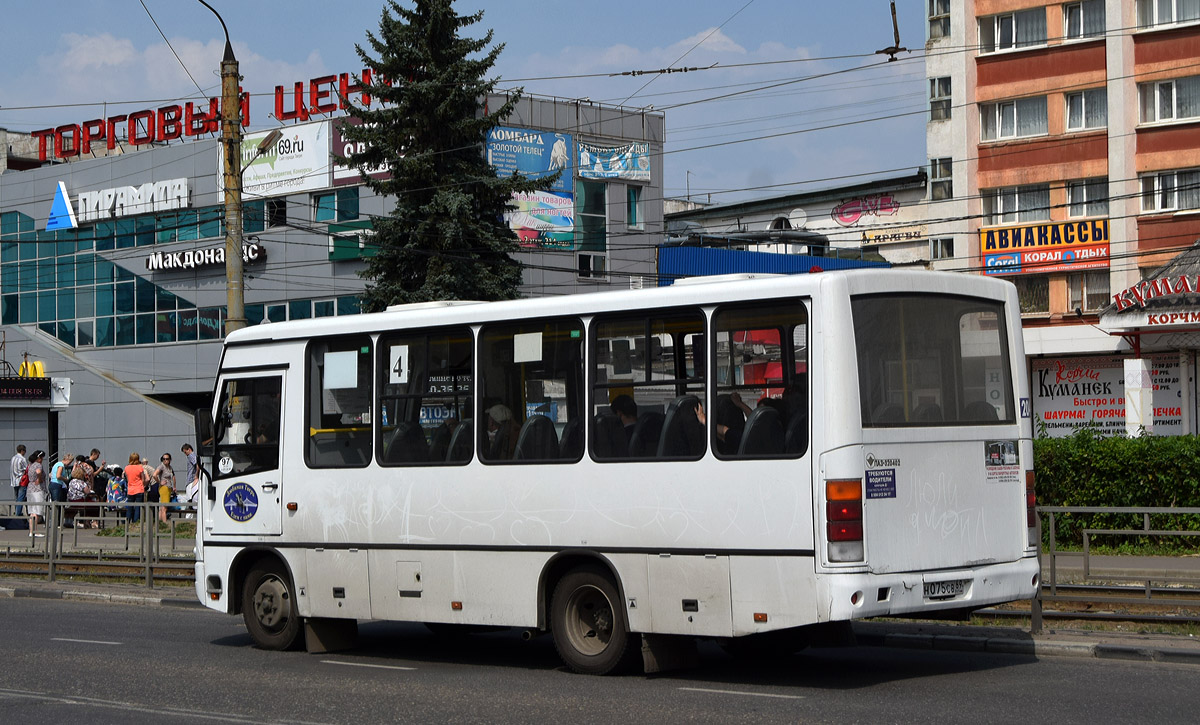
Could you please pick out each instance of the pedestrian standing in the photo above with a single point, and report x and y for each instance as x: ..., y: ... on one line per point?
x: 18, y: 468
x: 37, y: 490
x: 60, y: 473
x: 164, y: 476
x: 192, y: 494
x: 136, y: 480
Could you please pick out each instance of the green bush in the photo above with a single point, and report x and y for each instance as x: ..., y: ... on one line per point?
x: 1087, y: 469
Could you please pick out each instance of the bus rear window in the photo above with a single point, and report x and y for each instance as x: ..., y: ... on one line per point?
x: 930, y: 360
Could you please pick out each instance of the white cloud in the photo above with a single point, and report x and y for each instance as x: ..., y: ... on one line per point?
x: 102, y: 68
x: 84, y: 52
x: 717, y: 42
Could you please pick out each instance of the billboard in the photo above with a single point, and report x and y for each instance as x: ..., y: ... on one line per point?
x: 541, y: 219
x: 630, y: 161
x: 1073, y: 392
x: 299, y: 161
x: 532, y: 154
x: 347, y: 175
x: 1045, y: 247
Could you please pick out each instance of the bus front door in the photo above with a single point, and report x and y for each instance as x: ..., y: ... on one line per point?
x: 248, y: 451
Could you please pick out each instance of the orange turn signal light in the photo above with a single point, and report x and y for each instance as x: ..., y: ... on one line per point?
x: 456, y: 606
x: 845, y: 490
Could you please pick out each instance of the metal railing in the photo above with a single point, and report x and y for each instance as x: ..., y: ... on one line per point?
x: 102, y: 539
x: 1116, y: 579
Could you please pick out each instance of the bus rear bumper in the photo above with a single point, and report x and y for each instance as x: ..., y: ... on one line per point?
x: 861, y: 595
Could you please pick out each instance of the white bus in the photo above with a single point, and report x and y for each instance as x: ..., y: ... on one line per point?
x: 722, y: 458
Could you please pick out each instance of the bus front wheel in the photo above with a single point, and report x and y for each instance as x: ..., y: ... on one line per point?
x: 588, y: 623
x: 269, y: 606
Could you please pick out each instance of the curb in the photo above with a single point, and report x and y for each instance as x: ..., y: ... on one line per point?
x: 90, y: 596
x: 1028, y: 647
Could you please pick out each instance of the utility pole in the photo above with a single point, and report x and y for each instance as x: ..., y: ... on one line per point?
x: 231, y: 139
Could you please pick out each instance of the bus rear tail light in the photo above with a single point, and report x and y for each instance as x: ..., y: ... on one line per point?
x: 844, y: 519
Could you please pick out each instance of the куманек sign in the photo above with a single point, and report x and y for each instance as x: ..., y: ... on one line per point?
x: 1045, y: 247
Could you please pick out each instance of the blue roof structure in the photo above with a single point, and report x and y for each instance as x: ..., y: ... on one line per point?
x: 677, y: 262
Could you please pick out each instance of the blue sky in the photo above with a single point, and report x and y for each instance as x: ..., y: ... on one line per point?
x: 806, y: 132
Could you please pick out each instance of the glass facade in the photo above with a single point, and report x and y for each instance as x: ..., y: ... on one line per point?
x: 61, y: 281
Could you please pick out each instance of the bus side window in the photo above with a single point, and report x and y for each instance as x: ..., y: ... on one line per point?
x: 338, y: 404
x: 531, y: 390
x: 425, y: 384
x: 647, y: 385
x: 761, y: 353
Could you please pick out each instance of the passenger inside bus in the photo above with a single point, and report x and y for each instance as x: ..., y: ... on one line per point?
x: 502, y: 432
x: 626, y: 410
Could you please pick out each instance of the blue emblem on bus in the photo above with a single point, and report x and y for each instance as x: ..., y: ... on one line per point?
x: 241, y: 502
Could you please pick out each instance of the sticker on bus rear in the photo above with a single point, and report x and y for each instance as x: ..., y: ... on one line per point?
x: 1001, y: 462
x: 881, y: 483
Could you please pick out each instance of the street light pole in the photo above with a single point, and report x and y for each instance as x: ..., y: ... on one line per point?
x: 231, y: 139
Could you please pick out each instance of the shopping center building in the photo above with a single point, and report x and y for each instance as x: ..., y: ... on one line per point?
x: 125, y: 307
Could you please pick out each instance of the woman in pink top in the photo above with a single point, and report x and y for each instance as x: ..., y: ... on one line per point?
x: 136, y: 478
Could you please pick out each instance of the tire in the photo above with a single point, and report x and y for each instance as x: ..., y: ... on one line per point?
x: 269, y: 606
x: 588, y: 623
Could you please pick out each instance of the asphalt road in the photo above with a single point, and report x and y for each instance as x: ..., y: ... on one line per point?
x: 63, y: 661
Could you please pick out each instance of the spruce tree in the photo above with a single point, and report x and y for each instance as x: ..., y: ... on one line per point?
x: 446, y: 237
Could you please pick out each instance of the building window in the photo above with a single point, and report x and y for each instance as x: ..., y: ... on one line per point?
x: 1171, y: 100
x: 592, y: 266
x: 633, y: 207
x: 1013, y: 204
x: 258, y: 216
x: 1089, y: 290
x: 1009, y: 31
x: 1013, y: 119
x: 1171, y: 190
x: 591, y: 216
x: 941, y: 184
x: 1087, y: 109
x: 1088, y: 197
x: 941, y: 248
x: 1166, y: 12
x: 340, y: 205
x: 1083, y: 19
x: 939, y: 19
x: 939, y: 99
x: 1033, y: 293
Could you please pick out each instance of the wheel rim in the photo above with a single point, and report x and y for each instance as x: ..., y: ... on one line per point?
x: 272, y: 605
x: 589, y: 620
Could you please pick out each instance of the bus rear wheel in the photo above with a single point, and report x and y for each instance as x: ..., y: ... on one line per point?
x: 589, y: 624
x: 269, y: 606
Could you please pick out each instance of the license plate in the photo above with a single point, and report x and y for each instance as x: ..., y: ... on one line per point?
x: 945, y: 590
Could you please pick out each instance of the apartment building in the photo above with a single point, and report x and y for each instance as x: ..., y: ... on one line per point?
x: 1064, y: 155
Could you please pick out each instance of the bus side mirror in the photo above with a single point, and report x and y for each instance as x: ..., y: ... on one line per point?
x: 204, y: 433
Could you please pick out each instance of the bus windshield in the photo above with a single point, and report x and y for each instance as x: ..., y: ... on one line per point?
x: 931, y: 360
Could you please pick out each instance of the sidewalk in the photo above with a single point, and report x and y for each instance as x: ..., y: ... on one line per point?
x: 1178, y: 649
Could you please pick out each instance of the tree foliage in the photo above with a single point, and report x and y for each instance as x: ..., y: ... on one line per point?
x: 1089, y: 469
x: 446, y: 237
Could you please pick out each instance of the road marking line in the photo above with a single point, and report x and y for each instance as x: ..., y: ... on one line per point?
x: 83, y: 641
x: 741, y: 692
x: 364, y: 664
x: 133, y: 707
